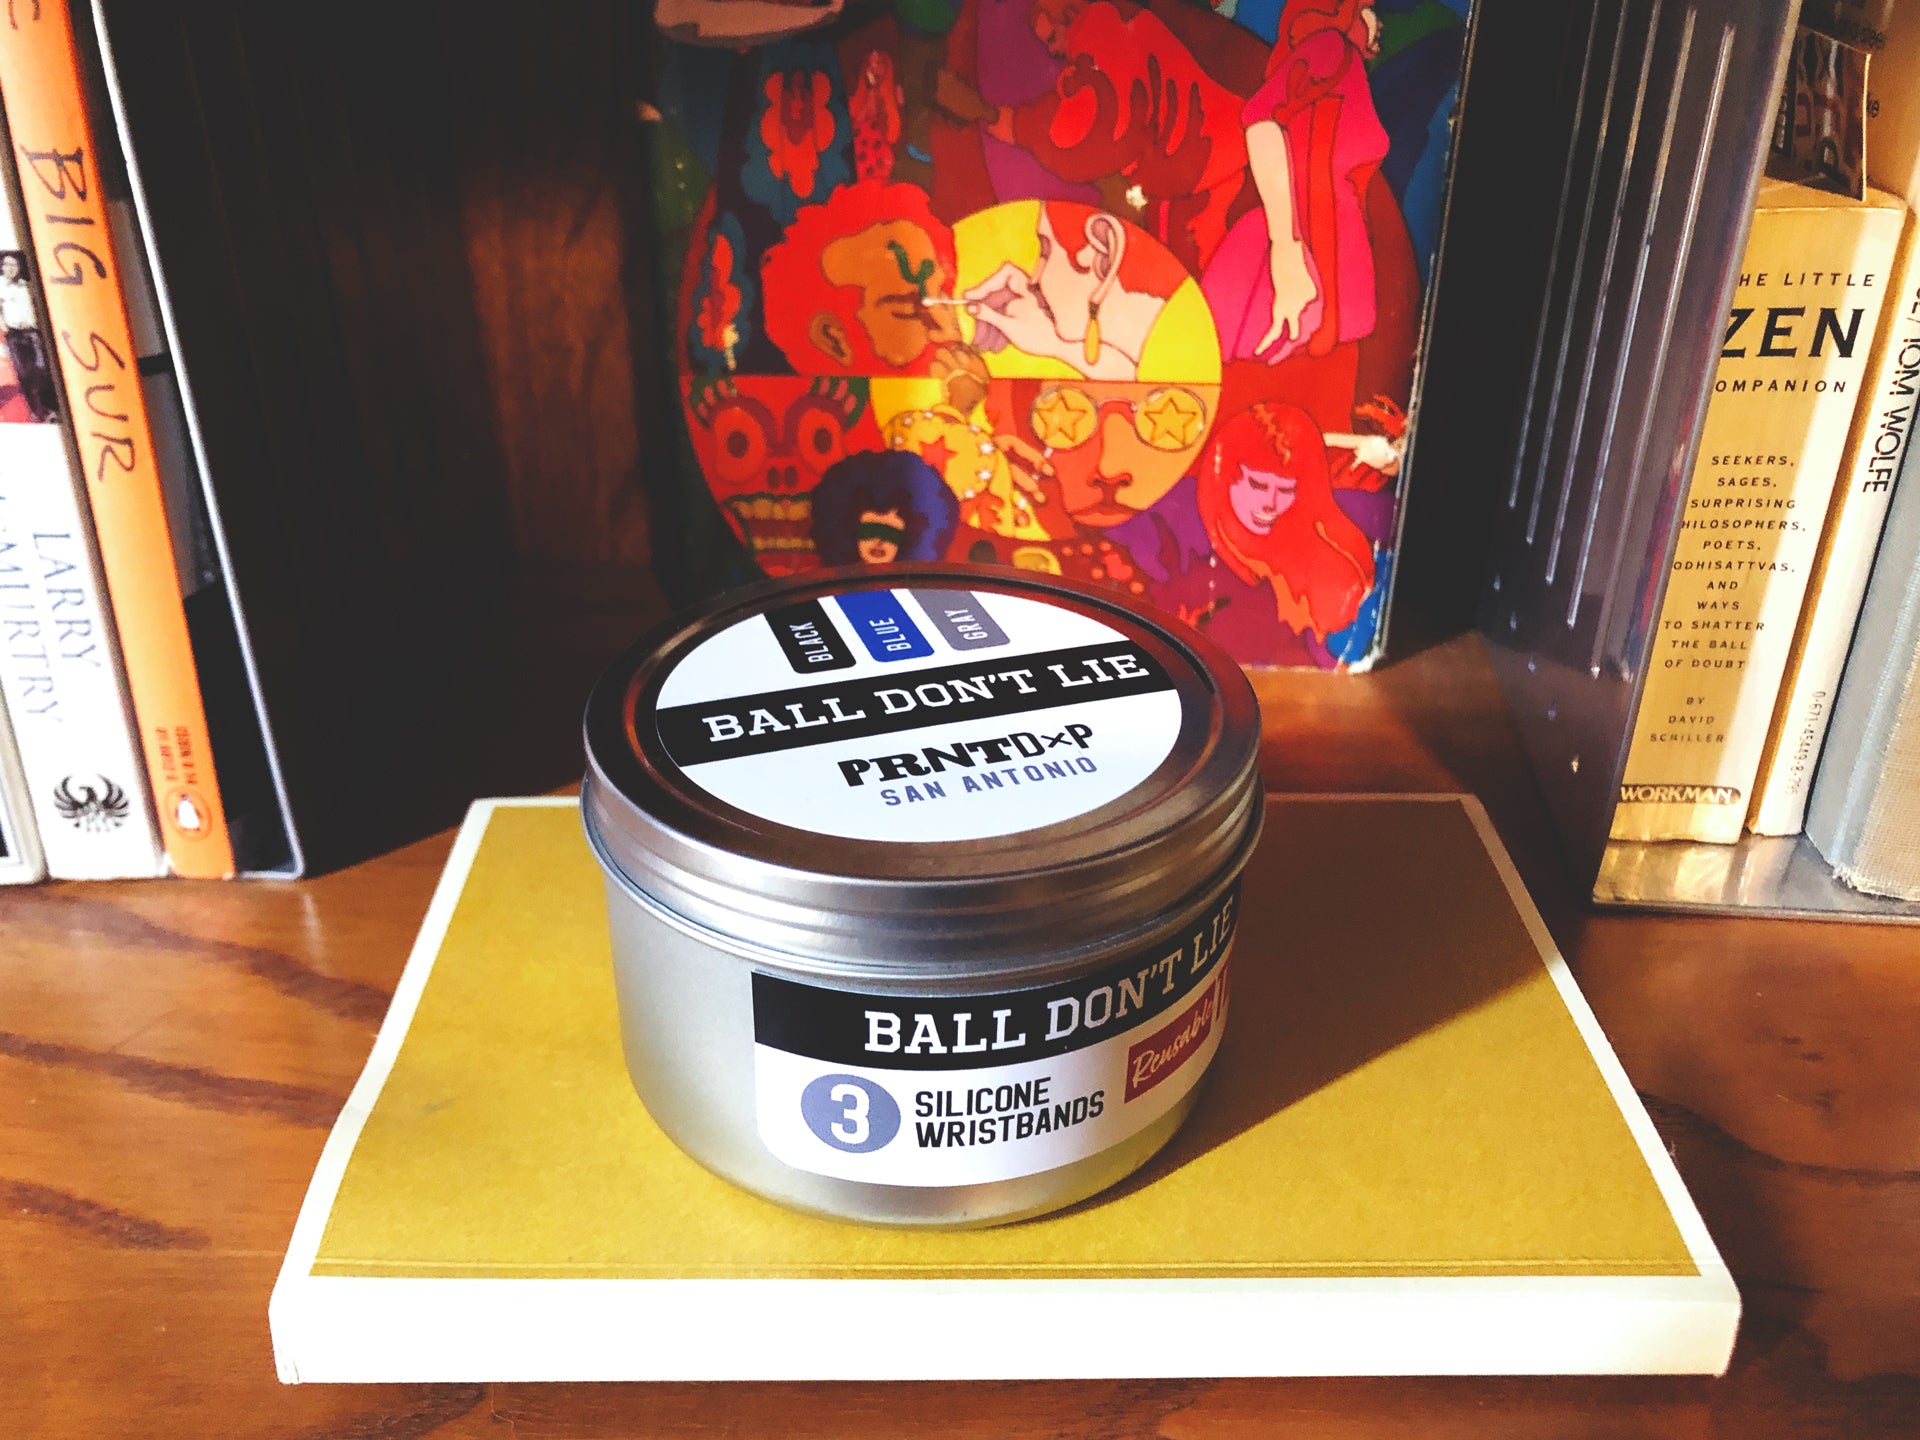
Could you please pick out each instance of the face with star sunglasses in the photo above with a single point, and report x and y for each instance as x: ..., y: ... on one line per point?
x: 1111, y: 448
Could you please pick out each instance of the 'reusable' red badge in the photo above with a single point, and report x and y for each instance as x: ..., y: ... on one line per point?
x: 1155, y: 1058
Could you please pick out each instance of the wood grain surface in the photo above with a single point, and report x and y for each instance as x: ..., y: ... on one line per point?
x: 172, y: 1055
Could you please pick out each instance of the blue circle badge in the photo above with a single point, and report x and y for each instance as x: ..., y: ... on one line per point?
x: 850, y: 1113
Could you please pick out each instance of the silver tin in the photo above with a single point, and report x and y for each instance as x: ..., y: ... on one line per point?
x: 758, y: 891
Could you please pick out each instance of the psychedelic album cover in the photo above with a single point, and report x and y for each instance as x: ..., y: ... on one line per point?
x: 1132, y: 294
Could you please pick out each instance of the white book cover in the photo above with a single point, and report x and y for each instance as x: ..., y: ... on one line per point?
x: 1415, y: 1154
x: 20, y: 860
x: 1882, y: 431
x: 59, y: 659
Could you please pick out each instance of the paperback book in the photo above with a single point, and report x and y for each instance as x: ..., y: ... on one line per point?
x: 60, y: 669
x: 1415, y: 1154
x: 1812, y: 286
x: 1864, y: 812
x: 43, y: 81
x: 1882, y: 431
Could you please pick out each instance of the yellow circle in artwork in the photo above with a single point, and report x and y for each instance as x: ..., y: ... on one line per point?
x: 1181, y: 344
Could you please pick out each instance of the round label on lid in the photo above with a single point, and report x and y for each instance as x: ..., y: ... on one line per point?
x: 930, y: 713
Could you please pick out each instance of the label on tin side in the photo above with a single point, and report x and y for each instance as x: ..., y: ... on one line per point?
x: 969, y: 1089
x: 924, y: 714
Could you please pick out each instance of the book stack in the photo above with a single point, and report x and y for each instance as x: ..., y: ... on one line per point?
x: 1778, y: 695
x: 200, y: 563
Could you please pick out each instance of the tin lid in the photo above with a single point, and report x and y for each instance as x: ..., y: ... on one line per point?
x: 922, y: 767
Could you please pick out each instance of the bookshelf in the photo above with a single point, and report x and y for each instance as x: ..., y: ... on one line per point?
x: 1627, y: 263
x: 172, y: 1053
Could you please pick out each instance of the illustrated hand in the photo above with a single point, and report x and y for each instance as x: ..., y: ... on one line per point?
x: 1377, y: 452
x: 1025, y: 463
x: 1178, y: 150
x: 1008, y: 302
x: 1294, y: 289
x: 962, y: 375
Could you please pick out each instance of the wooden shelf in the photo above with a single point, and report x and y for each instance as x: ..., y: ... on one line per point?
x: 173, y: 1053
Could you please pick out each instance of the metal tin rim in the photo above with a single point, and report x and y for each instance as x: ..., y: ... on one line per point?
x: 1071, y: 955
x: 955, y: 904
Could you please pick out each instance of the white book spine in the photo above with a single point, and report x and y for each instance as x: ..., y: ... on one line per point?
x: 59, y: 660
x: 60, y: 672
x: 1882, y: 431
x: 20, y: 860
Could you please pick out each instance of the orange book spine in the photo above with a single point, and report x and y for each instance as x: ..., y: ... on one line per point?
x: 40, y: 80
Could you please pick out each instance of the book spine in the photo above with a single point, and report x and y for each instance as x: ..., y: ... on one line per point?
x: 41, y: 82
x: 61, y: 675
x: 1804, y: 317
x: 21, y: 862
x: 1865, y: 789
x: 59, y: 663
x: 1881, y: 433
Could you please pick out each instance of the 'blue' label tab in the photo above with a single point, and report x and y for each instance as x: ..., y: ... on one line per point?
x: 881, y: 622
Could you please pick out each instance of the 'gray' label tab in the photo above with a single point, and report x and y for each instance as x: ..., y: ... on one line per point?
x: 960, y: 618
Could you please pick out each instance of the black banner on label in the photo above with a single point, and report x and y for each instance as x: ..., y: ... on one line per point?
x: 727, y: 728
x: 963, y: 622
x: 808, y: 638
x: 969, y: 1032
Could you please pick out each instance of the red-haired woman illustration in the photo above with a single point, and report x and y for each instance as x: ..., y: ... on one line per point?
x: 1267, y: 502
x: 1297, y: 275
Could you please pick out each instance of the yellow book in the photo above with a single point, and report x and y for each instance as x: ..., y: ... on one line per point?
x: 1813, y: 284
x: 1415, y: 1154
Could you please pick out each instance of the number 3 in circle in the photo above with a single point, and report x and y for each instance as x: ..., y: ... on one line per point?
x: 852, y: 1127
x: 850, y: 1113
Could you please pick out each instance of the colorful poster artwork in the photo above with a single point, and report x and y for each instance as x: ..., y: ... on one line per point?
x: 1128, y: 293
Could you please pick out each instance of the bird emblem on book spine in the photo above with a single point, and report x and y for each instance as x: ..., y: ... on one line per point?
x: 91, y: 807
